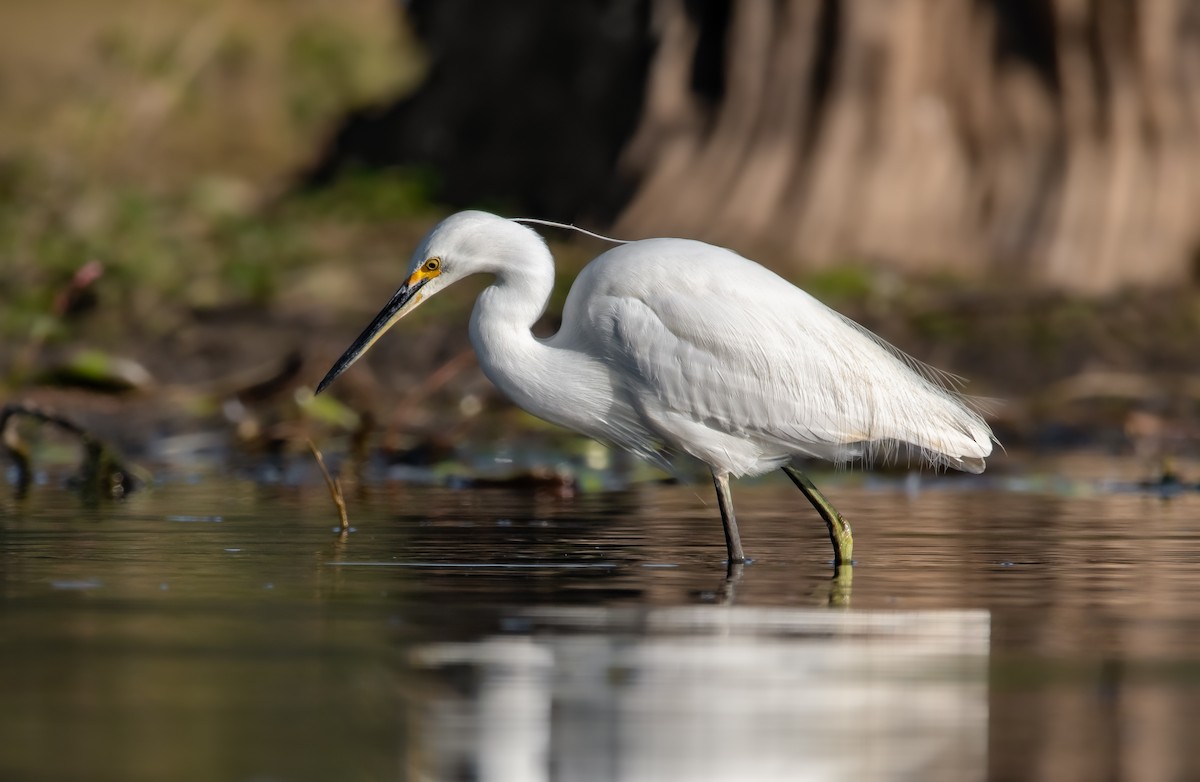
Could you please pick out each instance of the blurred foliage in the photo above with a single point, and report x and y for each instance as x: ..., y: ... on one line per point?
x: 371, y: 196
x: 99, y: 371
x: 165, y: 254
x: 151, y: 142
x: 842, y: 282
x: 145, y: 92
x: 144, y: 148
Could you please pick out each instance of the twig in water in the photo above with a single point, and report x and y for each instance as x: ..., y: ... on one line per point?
x: 101, y: 469
x: 335, y: 486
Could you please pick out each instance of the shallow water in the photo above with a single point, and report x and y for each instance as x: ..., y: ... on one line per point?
x: 221, y: 630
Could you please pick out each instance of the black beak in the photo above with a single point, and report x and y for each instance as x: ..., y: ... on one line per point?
x: 392, y: 312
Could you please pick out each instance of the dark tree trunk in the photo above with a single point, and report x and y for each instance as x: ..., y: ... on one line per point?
x: 527, y: 106
x: 1055, y: 139
x: 1051, y: 141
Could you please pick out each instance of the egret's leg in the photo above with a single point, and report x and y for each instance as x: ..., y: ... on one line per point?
x: 840, y: 586
x: 733, y: 541
x: 733, y: 575
x: 839, y: 528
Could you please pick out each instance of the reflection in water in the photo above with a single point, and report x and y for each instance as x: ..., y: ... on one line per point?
x: 222, y: 631
x: 710, y: 693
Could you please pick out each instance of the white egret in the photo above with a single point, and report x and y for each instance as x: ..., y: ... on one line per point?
x: 673, y: 348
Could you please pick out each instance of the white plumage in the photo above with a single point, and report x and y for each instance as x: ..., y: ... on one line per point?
x: 671, y: 347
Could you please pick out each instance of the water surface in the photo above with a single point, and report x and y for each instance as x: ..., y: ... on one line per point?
x: 221, y: 630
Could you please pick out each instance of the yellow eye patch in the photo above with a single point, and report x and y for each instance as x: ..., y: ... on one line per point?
x: 427, y: 271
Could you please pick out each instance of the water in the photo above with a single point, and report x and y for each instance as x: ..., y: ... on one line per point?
x: 222, y: 631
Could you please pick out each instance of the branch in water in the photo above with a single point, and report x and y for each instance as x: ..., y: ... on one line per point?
x: 101, y: 469
x: 335, y: 486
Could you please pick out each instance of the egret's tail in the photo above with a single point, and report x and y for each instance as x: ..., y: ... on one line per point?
x: 909, y: 402
x: 972, y: 464
x: 949, y: 433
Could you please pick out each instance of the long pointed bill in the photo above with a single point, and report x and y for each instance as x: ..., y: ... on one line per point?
x: 402, y: 302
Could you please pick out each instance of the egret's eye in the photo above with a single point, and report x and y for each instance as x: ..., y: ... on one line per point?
x: 432, y: 265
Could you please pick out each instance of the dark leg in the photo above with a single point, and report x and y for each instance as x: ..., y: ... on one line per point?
x: 839, y: 528
x: 733, y: 575
x: 733, y: 541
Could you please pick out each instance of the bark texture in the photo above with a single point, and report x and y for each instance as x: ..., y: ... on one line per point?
x: 1054, y: 140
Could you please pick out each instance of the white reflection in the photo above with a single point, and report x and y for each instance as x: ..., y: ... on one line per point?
x: 710, y: 693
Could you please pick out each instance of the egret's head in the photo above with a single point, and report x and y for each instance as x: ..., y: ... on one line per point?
x: 460, y: 245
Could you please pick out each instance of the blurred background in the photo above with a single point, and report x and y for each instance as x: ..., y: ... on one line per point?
x: 202, y: 202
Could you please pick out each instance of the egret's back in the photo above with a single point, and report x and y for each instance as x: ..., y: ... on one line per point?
x: 725, y: 360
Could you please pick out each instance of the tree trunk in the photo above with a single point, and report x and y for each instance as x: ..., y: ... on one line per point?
x: 1054, y: 142
x: 1057, y: 140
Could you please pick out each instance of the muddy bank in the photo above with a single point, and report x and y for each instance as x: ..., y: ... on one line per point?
x: 1056, y: 372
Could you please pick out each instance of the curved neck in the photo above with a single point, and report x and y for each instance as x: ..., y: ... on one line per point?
x: 518, y: 297
x: 548, y: 378
x: 504, y: 314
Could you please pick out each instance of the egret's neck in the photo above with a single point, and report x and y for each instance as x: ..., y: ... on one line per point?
x: 550, y: 379
x: 504, y: 314
x: 510, y: 306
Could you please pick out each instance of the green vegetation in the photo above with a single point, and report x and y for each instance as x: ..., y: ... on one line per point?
x: 162, y: 255
x: 846, y: 282
x: 143, y: 154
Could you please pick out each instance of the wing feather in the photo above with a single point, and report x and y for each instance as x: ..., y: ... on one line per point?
x: 775, y: 365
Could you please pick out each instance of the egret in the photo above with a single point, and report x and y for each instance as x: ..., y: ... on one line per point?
x: 675, y: 349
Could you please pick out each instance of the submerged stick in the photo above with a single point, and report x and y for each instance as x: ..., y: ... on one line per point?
x: 335, y: 486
